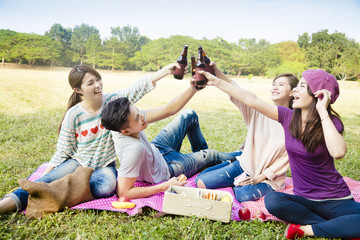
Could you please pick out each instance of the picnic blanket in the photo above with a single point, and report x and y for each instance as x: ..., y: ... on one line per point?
x: 156, y: 201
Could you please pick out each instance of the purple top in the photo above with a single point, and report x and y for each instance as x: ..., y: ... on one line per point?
x: 314, y: 174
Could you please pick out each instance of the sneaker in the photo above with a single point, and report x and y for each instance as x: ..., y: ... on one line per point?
x: 293, y: 231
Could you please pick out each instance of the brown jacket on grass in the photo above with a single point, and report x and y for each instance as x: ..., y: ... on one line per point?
x: 55, y: 196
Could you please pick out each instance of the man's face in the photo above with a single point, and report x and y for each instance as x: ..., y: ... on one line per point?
x: 136, y: 122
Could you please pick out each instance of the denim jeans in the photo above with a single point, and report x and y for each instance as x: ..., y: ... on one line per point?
x: 223, y: 175
x: 102, y: 181
x: 331, y: 218
x: 170, y: 139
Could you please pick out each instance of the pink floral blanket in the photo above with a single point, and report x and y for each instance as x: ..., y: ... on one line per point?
x: 156, y: 201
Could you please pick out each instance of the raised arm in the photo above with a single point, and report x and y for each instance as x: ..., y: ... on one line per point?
x: 334, y: 141
x: 142, y: 86
x: 169, y: 69
x: 244, y: 96
x: 172, y: 107
x: 219, y: 73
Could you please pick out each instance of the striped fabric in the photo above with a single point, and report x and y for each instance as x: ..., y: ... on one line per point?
x: 82, y: 137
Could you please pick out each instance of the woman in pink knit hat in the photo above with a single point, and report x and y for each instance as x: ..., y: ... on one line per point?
x: 322, y: 204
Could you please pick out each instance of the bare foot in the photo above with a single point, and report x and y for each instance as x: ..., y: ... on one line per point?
x: 7, y: 205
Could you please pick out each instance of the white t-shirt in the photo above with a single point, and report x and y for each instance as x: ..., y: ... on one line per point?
x: 139, y: 158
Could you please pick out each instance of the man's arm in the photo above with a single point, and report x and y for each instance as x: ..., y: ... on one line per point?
x: 126, y: 188
x: 172, y: 107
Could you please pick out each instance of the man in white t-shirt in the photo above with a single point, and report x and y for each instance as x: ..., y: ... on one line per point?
x: 161, y: 159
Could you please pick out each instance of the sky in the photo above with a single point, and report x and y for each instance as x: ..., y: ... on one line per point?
x: 272, y: 20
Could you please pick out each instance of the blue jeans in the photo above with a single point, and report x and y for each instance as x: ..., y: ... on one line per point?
x: 331, y: 218
x: 102, y: 181
x: 170, y: 139
x: 223, y: 175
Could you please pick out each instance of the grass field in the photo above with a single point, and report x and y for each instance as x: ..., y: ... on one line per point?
x: 32, y: 104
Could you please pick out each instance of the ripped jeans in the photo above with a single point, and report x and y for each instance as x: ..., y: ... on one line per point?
x: 170, y: 139
x: 223, y: 175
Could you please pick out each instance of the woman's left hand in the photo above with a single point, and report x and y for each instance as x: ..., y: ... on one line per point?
x: 212, y: 80
x: 247, y: 181
x: 323, y: 99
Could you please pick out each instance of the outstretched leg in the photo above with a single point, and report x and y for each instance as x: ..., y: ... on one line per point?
x: 192, y: 163
x: 219, y: 176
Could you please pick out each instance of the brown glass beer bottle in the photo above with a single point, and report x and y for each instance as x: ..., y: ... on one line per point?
x: 182, y: 60
x: 207, y: 61
x: 193, y: 65
x: 200, y: 79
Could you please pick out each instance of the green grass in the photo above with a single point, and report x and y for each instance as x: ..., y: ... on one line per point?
x: 32, y: 104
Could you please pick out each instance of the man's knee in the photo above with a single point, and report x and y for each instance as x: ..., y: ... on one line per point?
x: 189, y: 113
x: 200, y: 184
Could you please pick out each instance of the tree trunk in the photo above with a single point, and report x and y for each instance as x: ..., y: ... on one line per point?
x: 3, y: 60
x: 112, y: 59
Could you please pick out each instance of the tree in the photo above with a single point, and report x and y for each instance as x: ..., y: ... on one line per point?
x: 79, y: 38
x: 113, y: 54
x: 33, y: 47
x: 295, y: 68
x: 290, y: 51
x: 304, y: 40
x: 154, y: 55
x: 63, y: 37
x: 347, y: 65
x: 332, y: 52
x: 92, y: 45
x: 131, y: 41
x: 240, y: 56
x: 8, y: 39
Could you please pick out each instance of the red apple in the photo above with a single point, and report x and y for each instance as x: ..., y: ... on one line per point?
x: 259, y: 214
x: 244, y: 214
x: 124, y: 199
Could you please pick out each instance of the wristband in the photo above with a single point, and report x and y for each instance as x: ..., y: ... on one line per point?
x: 324, y: 118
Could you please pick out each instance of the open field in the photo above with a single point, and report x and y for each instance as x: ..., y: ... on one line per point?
x: 32, y: 103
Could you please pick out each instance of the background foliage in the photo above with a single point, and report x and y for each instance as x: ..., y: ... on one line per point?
x: 127, y: 49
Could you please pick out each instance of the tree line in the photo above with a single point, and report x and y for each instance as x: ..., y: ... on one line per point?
x: 127, y: 49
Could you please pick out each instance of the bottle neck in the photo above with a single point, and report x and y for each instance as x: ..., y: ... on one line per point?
x: 183, y: 57
x: 200, y: 61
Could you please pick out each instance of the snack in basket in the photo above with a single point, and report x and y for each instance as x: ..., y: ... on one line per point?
x: 226, y: 198
x: 181, y: 178
x: 211, y: 196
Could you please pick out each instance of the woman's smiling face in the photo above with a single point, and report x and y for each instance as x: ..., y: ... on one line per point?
x: 302, y: 98
x: 281, y: 92
x: 91, y: 87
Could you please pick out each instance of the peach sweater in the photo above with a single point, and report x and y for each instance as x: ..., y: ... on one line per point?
x: 264, y: 150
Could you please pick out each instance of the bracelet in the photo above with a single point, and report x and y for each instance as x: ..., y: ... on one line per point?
x: 324, y: 118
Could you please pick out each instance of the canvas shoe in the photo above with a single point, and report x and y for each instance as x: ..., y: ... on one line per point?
x: 293, y: 231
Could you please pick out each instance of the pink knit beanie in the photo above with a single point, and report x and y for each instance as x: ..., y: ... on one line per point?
x: 318, y: 79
